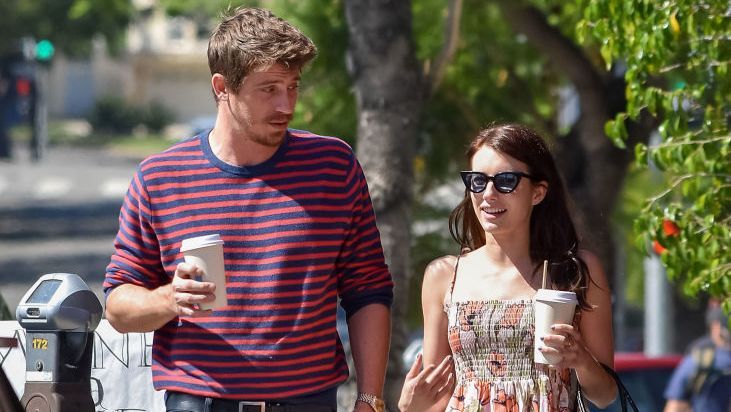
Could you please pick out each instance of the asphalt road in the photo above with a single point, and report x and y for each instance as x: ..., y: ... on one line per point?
x: 59, y: 215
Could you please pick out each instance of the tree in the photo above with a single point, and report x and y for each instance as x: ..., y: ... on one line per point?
x: 69, y: 24
x: 677, y: 56
x: 389, y: 96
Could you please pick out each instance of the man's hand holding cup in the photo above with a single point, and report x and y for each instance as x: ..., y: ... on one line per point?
x: 188, y: 293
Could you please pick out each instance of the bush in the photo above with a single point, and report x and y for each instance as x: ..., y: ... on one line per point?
x: 113, y: 115
x: 156, y: 117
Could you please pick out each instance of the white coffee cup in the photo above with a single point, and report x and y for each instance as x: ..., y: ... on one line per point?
x: 206, y: 252
x: 551, y: 307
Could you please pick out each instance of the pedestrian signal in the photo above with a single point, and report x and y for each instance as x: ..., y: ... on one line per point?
x: 44, y: 50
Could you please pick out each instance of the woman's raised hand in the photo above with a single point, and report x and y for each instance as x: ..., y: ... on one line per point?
x: 422, y: 388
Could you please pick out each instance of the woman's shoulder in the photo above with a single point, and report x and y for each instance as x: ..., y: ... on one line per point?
x: 440, y: 270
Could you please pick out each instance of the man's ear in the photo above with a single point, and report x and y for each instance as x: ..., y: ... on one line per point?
x: 539, y: 192
x: 218, y: 84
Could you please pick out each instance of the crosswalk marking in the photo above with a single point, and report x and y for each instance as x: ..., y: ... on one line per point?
x: 114, y: 188
x: 55, y: 187
x: 52, y: 188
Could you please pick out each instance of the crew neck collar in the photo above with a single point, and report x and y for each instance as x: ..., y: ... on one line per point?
x: 250, y: 170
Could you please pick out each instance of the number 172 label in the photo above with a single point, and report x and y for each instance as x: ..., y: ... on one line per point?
x: 40, y: 343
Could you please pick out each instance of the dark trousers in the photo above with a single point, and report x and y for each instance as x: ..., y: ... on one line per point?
x: 183, y: 402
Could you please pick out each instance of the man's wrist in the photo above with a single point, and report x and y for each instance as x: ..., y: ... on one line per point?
x: 372, y: 400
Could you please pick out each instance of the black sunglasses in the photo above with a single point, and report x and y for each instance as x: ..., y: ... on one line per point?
x: 505, y: 182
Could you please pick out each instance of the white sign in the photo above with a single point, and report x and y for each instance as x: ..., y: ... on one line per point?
x: 121, y: 373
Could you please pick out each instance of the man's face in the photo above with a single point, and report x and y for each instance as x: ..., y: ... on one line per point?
x: 264, y: 105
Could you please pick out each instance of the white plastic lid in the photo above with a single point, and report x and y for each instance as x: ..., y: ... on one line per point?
x: 560, y: 296
x: 200, y: 241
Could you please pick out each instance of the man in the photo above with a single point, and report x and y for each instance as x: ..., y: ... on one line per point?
x: 702, y: 381
x: 294, y: 212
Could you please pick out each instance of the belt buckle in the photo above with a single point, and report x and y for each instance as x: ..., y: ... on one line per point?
x: 262, y: 405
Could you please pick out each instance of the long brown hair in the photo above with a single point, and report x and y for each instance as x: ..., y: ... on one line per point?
x: 553, y: 236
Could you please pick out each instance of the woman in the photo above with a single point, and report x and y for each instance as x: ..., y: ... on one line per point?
x: 478, y: 307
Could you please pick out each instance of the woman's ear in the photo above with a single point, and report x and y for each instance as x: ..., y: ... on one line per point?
x: 218, y: 83
x: 539, y: 192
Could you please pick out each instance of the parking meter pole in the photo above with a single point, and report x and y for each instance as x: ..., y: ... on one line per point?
x: 59, y: 313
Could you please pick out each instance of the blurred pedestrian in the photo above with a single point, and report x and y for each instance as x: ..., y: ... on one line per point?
x: 702, y: 380
x: 6, y: 103
x: 299, y: 234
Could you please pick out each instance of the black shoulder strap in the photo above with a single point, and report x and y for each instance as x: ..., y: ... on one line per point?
x: 624, y: 397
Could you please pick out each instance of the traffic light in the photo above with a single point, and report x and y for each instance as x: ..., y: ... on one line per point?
x: 44, y: 51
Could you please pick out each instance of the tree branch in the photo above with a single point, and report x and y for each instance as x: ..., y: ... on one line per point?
x: 563, y: 53
x: 451, y: 39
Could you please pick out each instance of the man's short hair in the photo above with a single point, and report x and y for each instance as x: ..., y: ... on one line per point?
x: 249, y: 39
x: 715, y: 314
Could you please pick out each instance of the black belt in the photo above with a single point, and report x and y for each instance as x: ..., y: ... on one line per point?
x: 178, y: 401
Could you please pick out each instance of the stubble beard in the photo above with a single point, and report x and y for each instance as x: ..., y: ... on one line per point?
x: 269, y: 140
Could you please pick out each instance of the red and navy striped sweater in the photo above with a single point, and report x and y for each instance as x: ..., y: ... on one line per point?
x: 299, y: 232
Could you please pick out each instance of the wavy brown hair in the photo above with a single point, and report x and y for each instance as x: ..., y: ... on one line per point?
x: 553, y: 235
x: 249, y: 39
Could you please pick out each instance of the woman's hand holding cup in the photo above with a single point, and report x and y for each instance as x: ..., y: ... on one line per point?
x: 564, y: 346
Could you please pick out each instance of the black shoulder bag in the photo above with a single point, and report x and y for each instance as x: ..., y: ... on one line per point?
x: 622, y: 392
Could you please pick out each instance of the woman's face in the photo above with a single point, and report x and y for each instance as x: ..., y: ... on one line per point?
x: 498, y: 212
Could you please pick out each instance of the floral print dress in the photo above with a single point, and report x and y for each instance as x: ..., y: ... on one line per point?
x: 492, y: 346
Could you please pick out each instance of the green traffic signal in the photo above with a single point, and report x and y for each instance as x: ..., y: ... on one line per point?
x: 44, y: 50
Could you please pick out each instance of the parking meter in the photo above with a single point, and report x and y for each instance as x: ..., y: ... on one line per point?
x: 59, y: 313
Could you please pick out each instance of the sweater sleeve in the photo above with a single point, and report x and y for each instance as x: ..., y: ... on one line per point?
x: 136, y: 257
x: 363, y: 277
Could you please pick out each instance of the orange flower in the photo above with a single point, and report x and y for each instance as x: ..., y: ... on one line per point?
x: 670, y: 228
x: 658, y: 247
x: 468, y: 314
x: 512, y: 315
x: 454, y: 341
x: 504, y: 402
x: 496, y: 363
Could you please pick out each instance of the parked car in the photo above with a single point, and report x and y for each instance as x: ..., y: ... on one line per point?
x: 644, y: 377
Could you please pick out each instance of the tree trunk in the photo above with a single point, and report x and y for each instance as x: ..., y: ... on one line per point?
x: 389, y: 94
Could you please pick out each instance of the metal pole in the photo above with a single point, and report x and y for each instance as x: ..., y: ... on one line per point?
x: 39, y: 140
x: 658, y: 309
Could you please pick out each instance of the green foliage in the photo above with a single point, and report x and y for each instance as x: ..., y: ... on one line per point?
x: 638, y: 184
x: 495, y: 76
x: 677, y: 56
x: 204, y: 12
x: 326, y: 101
x: 68, y: 24
x: 113, y: 115
x: 156, y: 116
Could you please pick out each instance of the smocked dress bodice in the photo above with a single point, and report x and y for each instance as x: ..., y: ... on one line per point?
x: 492, y: 347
